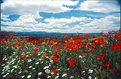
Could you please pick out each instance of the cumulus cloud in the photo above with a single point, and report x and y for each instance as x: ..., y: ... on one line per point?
x: 104, y: 6
x: 5, y: 17
x: 34, y: 6
x: 29, y: 11
x: 63, y: 25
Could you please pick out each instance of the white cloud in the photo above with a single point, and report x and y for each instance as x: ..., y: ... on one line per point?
x: 100, y: 6
x: 29, y: 11
x: 34, y: 6
x: 62, y: 25
x: 5, y: 17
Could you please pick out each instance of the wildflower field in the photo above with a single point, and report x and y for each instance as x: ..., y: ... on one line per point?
x: 80, y: 56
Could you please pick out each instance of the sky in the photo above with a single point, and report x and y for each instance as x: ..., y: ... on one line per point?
x: 65, y: 16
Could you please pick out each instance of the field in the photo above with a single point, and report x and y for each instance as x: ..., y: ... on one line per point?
x: 79, y: 56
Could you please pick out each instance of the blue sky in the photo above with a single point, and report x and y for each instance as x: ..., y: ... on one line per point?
x: 66, y: 16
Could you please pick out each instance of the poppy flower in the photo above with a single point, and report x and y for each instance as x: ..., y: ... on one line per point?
x: 66, y: 37
x: 53, y: 70
x: 117, y: 36
x: 18, y: 41
x: 40, y: 40
x: 25, y: 55
x: 98, y: 40
x: 34, y: 41
x: 47, y: 38
x: 71, y: 62
x: 9, y: 40
x: 86, y: 35
x: 100, y: 57
x: 44, y: 55
x: 106, y: 64
x: 19, y: 45
x: 11, y: 45
x: 21, y: 58
x: 48, y: 43
x: 58, y: 50
x: 116, y: 46
x: 55, y: 58
x: 3, y: 40
x: 75, y: 48
x: 36, y: 49
x: 90, y: 50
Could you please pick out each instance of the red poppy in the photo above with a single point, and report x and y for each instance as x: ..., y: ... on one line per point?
x: 3, y: 40
x: 19, y: 45
x: 90, y: 50
x: 58, y: 50
x: 36, y: 49
x: 47, y: 38
x: 75, y: 48
x: 86, y: 35
x: 40, y: 40
x: 34, y: 41
x: 11, y: 45
x: 98, y: 40
x: 106, y: 64
x: 71, y: 62
x: 117, y: 36
x: 100, y: 57
x: 44, y: 55
x: 21, y: 58
x: 66, y: 37
x: 53, y: 70
x: 48, y: 43
x: 55, y: 58
x: 27, y: 39
x: 116, y: 46
x: 25, y: 55
x: 18, y: 41
x: 9, y: 40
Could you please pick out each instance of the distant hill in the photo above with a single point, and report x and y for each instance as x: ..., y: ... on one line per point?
x: 39, y: 33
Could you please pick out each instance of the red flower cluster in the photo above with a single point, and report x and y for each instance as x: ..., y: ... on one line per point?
x: 55, y: 58
x: 90, y: 50
x: 101, y: 56
x: 23, y: 56
x: 58, y: 50
x: 36, y: 49
x: 71, y: 62
x: 65, y: 37
x: 53, y: 70
x: 116, y: 46
x: 44, y: 55
x: 19, y: 45
x: 10, y: 45
x: 106, y: 64
x: 86, y: 35
x: 117, y: 36
x: 98, y: 40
